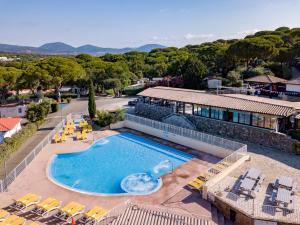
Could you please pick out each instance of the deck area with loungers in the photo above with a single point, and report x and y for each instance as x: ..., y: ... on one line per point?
x: 261, y: 190
x: 50, y: 199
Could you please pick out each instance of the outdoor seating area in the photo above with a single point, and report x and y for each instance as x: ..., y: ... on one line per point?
x: 67, y: 213
x: 283, y: 193
x: 82, y: 129
x: 250, y: 182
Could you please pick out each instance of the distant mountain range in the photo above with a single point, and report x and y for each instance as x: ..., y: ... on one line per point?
x: 60, y: 48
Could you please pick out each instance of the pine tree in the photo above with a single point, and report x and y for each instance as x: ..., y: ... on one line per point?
x: 92, y: 102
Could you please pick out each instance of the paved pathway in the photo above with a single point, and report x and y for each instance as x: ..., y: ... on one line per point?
x: 77, y: 106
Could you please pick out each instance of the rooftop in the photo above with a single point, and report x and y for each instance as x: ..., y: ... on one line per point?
x: 273, y: 163
x: 7, y: 124
x: 266, y: 79
x: 295, y: 82
x: 248, y: 104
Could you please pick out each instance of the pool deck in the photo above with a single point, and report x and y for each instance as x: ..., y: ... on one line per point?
x: 172, y: 194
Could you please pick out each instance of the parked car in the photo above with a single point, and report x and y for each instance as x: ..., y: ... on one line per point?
x: 132, y: 102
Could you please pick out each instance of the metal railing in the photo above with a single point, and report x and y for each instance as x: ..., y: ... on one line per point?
x: 11, y: 176
x: 200, y: 136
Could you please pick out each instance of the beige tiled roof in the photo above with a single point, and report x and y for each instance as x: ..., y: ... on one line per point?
x: 295, y: 82
x: 266, y: 79
x: 295, y: 105
x: 221, y: 101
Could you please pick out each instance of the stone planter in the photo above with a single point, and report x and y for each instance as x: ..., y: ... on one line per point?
x: 117, y: 125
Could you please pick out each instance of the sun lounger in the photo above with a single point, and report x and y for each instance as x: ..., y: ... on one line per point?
x: 226, y: 164
x: 13, y: 220
x: 26, y: 201
x: 83, y: 135
x: 46, y: 206
x: 57, y: 138
x: 63, y: 137
x: 78, y: 135
x: 220, y: 166
x: 68, y: 211
x: 93, y: 216
x: 34, y: 223
x: 205, y: 176
x: 196, y: 184
x: 3, y: 214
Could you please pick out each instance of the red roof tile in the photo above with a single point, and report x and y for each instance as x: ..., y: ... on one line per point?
x: 8, y: 123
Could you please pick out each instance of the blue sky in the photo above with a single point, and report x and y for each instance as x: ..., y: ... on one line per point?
x: 122, y: 23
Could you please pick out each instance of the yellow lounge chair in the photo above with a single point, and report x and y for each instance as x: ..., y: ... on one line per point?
x: 78, y: 135
x: 57, y: 138
x: 196, y: 184
x: 34, y: 223
x: 219, y: 167
x: 93, y: 216
x: 63, y: 137
x: 66, y: 131
x: 68, y: 211
x: 46, y: 206
x: 83, y: 135
x: 3, y: 214
x: 13, y: 220
x: 26, y: 201
x: 205, y: 176
x: 71, y: 131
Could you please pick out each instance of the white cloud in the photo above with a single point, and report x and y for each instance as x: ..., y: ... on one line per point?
x: 190, y: 36
x: 247, y: 32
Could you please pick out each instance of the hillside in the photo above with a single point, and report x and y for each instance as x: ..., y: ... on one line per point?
x: 60, y: 48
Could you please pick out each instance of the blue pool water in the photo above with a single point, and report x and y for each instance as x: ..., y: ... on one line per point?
x: 101, y: 168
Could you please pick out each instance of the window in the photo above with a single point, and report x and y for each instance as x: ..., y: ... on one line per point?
x: 217, y: 113
x: 205, y: 112
x: 19, y: 110
x: 244, y: 117
x: 201, y: 111
x: 235, y: 117
x: 264, y: 121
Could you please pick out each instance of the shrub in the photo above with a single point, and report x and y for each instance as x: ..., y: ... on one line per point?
x: 104, y: 118
x: 63, y: 95
x: 36, y: 112
x: 118, y: 115
x: 132, y: 92
x: 69, y: 100
x: 54, y: 107
x: 12, y: 144
x: 295, y: 134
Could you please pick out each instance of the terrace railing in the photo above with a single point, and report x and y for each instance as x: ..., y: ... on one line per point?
x: 12, y: 175
x: 207, y: 138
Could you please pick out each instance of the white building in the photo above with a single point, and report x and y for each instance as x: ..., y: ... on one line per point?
x: 13, y: 110
x: 8, y: 127
x: 213, y: 83
x: 292, y: 86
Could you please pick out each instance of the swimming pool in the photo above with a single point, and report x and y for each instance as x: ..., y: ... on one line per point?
x: 103, y: 166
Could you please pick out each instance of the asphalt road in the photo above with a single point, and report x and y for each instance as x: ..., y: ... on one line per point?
x: 76, y: 106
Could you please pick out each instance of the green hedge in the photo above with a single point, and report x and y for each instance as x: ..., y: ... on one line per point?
x: 63, y: 95
x: 10, y: 145
x: 295, y: 134
x: 132, y: 92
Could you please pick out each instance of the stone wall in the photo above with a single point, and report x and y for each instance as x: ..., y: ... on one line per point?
x: 224, y: 129
x: 179, y: 121
x: 152, y: 111
x: 245, y: 133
